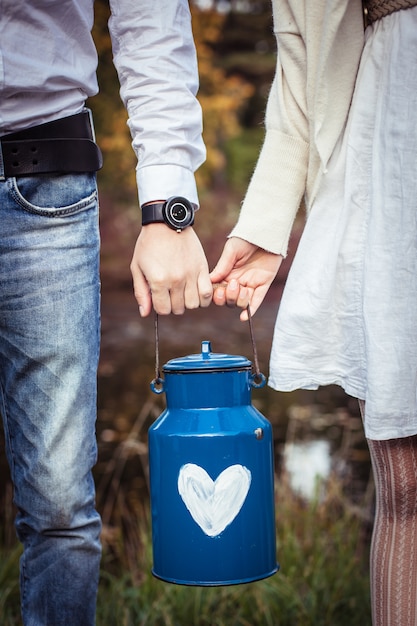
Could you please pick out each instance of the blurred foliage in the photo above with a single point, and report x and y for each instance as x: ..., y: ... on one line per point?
x: 236, y: 59
x: 221, y: 96
x: 247, y: 48
x: 322, y: 545
x: 323, y: 550
x: 113, y: 135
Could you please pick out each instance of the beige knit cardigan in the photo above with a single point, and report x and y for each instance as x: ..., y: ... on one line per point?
x: 319, y: 44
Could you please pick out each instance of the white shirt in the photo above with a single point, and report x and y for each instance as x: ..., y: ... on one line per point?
x: 48, y: 67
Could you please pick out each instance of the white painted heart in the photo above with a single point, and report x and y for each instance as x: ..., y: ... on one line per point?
x: 213, y: 504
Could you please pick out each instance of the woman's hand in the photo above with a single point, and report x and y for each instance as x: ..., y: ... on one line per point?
x: 243, y: 275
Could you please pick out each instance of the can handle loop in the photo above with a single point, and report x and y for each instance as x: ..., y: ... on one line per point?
x: 157, y: 385
x: 257, y: 379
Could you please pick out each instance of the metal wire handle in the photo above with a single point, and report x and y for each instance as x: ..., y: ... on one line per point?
x: 158, y: 380
x: 258, y: 377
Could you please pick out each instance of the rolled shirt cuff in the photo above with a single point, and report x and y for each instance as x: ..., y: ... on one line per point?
x: 159, y: 182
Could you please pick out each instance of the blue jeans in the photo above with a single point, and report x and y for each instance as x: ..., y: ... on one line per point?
x: 49, y: 344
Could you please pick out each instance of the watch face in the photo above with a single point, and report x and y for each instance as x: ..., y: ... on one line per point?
x: 179, y: 212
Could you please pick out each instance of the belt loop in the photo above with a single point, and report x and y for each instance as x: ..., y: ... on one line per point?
x: 90, y: 117
x: 2, y: 176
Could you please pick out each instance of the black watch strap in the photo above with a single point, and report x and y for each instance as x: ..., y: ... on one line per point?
x: 177, y: 212
x: 152, y: 213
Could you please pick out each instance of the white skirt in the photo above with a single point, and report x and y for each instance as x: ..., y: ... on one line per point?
x: 348, y: 315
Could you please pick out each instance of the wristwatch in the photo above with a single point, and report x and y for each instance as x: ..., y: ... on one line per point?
x: 176, y: 212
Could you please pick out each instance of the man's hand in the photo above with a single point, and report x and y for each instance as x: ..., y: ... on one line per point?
x: 243, y: 275
x: 169, y: 271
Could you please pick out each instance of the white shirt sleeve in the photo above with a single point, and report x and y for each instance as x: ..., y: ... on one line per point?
x: 155, y: 57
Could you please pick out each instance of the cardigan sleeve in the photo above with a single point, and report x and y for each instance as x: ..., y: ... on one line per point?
x: 318, y: 51
x: 278, y: 183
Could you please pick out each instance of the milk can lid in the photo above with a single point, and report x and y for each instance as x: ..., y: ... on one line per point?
x: 207, y: 361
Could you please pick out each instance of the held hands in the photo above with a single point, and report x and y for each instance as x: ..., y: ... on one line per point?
x: 243, y: 275
x: 170, y: 271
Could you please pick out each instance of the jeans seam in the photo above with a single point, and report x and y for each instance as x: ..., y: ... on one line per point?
x: 2, y: 176
x: 53, y: 212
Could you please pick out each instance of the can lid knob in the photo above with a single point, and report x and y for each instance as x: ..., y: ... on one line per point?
x: 205, y: 349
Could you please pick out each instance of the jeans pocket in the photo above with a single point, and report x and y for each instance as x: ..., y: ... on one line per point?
x: 55, y: 195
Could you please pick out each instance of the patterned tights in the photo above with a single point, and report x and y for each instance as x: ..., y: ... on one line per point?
x: 394, y: 541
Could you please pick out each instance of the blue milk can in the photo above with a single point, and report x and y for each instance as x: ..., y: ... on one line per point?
x: 211, y: 475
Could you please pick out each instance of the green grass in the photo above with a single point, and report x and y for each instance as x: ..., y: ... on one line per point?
x: 9, y: 586
x: 323, y: 581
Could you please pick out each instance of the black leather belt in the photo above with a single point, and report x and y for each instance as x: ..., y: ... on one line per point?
x: 61, y: 146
